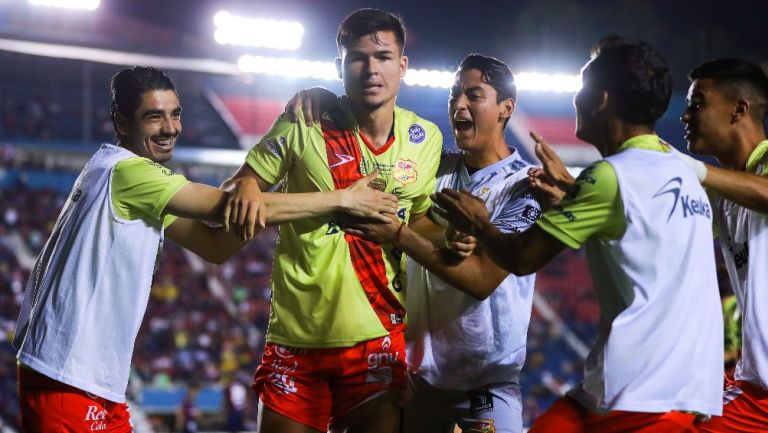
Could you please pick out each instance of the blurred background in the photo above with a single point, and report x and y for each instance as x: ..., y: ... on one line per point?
x: 235, y: 64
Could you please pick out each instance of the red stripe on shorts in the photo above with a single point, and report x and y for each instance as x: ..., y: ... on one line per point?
x: 344, y: 159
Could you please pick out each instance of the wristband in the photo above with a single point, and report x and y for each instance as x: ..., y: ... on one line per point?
x: 396, y: 239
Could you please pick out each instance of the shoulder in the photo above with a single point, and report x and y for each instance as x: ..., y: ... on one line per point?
x: 417, y: 128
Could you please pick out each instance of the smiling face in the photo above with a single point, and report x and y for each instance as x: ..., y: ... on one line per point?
x: 371, y: 68
x: 155, y: 126
x: 477, y: 119
x: 707, y: 118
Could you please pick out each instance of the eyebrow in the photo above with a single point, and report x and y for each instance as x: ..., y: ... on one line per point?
x: 152, y: 112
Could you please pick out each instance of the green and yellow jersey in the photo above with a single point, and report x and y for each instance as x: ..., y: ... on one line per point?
x: 331, y: 289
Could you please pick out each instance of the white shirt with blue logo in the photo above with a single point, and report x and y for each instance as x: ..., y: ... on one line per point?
x: 660, y: 337
x: 455, y: 341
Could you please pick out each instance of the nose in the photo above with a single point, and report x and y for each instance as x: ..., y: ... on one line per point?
x: 685, y: 117
x: 458, y: 102
x: 171, y: 126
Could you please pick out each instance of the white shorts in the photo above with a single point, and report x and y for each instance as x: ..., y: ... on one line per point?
x: 493, y: 408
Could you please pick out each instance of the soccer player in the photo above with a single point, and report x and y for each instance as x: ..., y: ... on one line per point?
x: 335, y: 353
x: 645, y: 221
x: 465, y: 350
x: 725, y: 119
x: 88, y: 291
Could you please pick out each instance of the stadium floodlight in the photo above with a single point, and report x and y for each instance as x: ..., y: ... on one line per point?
x: 89, y: 5
x: 255, y: 32
x: 535, y: 81
x: 287, y: 67
x: 429, y: 78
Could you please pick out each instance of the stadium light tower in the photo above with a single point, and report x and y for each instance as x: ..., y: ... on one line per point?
x: 89, y: 5
x: 255, y: 32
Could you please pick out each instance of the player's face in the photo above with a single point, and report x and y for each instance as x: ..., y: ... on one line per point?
x: 476, y: 118
x: 371, y: 68
x: 156, y: 125
x: 707, y: 118
x: 585, y: 101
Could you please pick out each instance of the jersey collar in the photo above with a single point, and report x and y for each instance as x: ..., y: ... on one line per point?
x: 757, y: 155
x: 645, y: 141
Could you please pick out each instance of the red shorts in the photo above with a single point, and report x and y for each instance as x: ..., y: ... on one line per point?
x: 48, y: 405
x: 568, y: 416
x: 745, y: 410
x: 317, y: 386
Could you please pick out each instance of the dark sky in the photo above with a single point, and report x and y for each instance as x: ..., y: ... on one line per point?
x: 543, y: 35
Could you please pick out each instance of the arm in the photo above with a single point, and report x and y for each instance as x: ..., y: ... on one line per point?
x: 746, y: 189
x: 212, y: 244
x: 518, y: 253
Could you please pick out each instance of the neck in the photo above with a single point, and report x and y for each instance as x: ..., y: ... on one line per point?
x: 744, y: 142
x: 616, y: 133
x: 487, y: 155
x: 376, y: 124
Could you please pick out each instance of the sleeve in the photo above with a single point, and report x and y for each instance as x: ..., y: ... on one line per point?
x: 142, y: 188
x: 518, y: 213
x: 434, y: 149
x: 273, y: 155
x: 593, y: 208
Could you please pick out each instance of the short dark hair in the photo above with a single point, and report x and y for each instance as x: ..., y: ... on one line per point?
x: 738, y: 79
x: 635, y: 75
x: 129, y: 85
x: 366, y: 21
x: 494, y: 72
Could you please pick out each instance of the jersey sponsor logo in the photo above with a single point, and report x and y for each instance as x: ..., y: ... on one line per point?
x: 480, y: 402
x: 483, y: 426
x: 396, y: 319
x: 740, y: 253
x: 405, y: 172
x: 281, y: 376
x: 275, y: 145
x: 416, y: 133
x: 333, y: 228
x: 386, y: 343
x: 76, y: 194
x: 97, y: 418
x: 342, y: 159
x: 283, y: 352
x: 690, y: 206
x: 731, y: 393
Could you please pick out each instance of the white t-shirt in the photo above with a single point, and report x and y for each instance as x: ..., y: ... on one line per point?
x: 455, y: 341
x: 660, y: 336
x: 744, y: 242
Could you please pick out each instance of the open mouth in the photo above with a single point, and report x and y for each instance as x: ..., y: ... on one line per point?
x: 462, y: 125
x: 166, y: 143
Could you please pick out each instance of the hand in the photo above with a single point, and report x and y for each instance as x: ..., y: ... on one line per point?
x: 245, y: 211
x: 313, y: 102
x: 552, y: 164
x: 379, y: 232
x: 458, y: 243
x: 465, y: 211
x: 361, y: 201
x: 546, y: 192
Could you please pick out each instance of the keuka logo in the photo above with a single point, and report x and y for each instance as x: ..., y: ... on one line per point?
x: 690, y: 206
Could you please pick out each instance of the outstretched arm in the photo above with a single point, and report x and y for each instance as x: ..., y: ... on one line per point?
x: 746, y: 189
x: 519, y: 253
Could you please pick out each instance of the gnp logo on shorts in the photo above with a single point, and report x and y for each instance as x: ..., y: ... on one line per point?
x: 405, y: 172
x: 416, y: 133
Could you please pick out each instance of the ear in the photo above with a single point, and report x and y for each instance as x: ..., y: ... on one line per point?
x: 602, y: 102
x: 403, y: 66
x: 121, y: 124
x: 741, y: 110
x: 507, y: 108
x: 337, y: 62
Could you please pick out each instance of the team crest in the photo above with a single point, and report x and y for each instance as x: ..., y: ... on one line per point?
x: 416, y: 133
x: 483, y: 426
x: 405, y: 172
